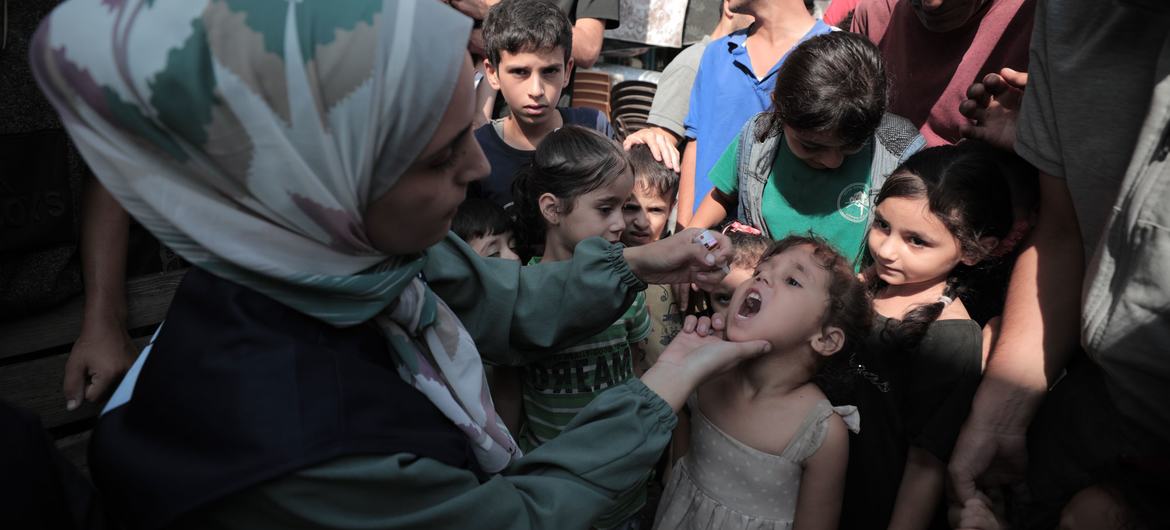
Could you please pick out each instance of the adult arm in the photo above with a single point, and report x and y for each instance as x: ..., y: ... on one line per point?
x: 822, y: 485
x: 565, y: 483
x: 103, y: 351
x: 1039, y: 331
x: 686, y: 185
x: 588, y: 34
x: 514, y: 313
x: 920, y: 491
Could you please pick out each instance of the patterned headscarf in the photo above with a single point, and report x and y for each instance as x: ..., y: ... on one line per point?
x: 251, y: 135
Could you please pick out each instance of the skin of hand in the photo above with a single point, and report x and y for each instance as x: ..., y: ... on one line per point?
x: 680, y: 259
x: 663, y: 145
x: 994, y: 105
x: 976, y: 514
x: 696, y: 354
x: 101, y: 355
x: 1040, y: 329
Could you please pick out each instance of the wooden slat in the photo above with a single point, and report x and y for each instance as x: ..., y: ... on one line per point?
x: 148, y: 298
x: 36, y: 387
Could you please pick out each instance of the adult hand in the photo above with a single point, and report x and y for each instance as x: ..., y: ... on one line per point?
x: 696, y: 354
x: 476, y: 9
x: 975, y: 514
x: 662, y: 143
x: 988, y: 455
x: 100, y: 357
x: 681, y: 259
x: 994, y: 105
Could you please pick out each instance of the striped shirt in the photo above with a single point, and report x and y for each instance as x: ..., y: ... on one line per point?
x: 559, y: 385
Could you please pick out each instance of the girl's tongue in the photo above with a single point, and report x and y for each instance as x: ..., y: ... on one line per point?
x: 751, y: 305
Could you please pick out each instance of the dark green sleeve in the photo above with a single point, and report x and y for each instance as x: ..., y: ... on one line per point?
x: 564, y: 484
x: 515, y: 313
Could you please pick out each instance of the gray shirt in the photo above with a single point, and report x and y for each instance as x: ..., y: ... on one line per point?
x: 1090, y: 78
x: 673, y: 96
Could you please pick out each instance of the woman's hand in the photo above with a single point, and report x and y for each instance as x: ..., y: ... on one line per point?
x: 697, y: 353
x: 681, y: 259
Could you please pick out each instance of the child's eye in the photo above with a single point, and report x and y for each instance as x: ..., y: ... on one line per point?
x: 445, y: 160
x: 631, y: 207
x: 808, y: 147
x: 881, y: 224
x: 917, y: 241
x: 792, y: 281
x: 723, y: 299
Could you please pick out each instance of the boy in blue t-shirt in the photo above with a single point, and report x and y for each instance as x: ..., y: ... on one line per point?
x: 528, y: 45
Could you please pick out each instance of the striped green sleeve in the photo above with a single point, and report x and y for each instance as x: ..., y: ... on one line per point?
x: 638, y: 320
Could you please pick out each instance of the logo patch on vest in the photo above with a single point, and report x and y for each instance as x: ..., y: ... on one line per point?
x: 854, y: 203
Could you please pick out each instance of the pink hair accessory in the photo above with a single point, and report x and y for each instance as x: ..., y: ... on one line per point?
x: 737, y: 226
x: 1006, y: 245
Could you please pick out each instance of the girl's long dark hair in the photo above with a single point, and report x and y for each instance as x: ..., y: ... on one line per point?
x: 966, y: 189
x: 570, y: 162
x: 833, y: 82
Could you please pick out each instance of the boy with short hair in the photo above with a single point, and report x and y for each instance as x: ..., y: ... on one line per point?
x: 528, y: 45
x: 646, y: 212
x: 486, y: 227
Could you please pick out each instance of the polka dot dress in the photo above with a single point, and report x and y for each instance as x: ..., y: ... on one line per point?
x: 723, y: 484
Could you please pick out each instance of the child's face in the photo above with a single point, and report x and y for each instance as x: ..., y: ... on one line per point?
x: 596, y: 214
x: 721, y: 297
x: 495, y: 246
x: 646, y: 213
x: 818, y: 150
x: 784, y: 301
x: 909, y: 244
x: 531, y: 82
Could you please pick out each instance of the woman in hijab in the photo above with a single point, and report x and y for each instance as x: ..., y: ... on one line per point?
x: 320, y: 365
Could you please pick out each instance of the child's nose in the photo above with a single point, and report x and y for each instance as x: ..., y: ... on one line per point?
x: 535, y: 87
x: 832, y: 159
x: 887, y: 250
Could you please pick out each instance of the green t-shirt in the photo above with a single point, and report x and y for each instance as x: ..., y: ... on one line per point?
x: 832, y: 203
x: 560, y: 385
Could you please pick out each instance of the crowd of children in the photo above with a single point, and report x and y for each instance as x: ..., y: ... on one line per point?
x: 876, y: 268
x: 877, y: 212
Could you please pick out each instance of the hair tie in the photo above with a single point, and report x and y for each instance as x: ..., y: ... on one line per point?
x: 737, y: 226
x: 945, y: 300
x: 1015, y: 235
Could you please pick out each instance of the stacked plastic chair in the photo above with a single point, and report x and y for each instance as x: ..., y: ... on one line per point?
x: 631, y: 102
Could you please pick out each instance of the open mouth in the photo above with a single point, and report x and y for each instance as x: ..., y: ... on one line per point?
x: 750, y: 306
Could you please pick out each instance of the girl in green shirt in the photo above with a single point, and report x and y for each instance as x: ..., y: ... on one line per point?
x: 810, y: 162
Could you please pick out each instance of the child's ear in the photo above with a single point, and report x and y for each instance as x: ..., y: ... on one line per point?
x: 987, y: 243
x: 491, y: 74
x: 550, y: 208
x: 568, y: 73
x: 829, y: 341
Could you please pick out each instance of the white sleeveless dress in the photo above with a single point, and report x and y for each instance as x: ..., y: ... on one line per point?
x: 723, y: 484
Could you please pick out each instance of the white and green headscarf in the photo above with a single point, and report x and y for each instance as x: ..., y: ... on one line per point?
x: 250, y: 136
